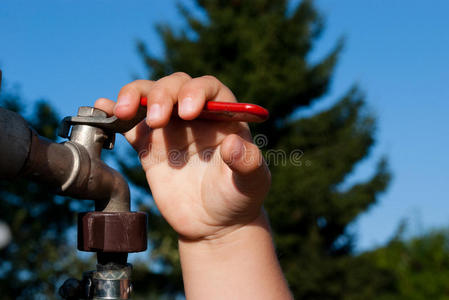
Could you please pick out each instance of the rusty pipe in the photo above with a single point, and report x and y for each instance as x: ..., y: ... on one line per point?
x: 73, y: 168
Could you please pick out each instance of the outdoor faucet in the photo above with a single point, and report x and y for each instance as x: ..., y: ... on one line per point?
x: 103, y: 184
x: 74, y: 168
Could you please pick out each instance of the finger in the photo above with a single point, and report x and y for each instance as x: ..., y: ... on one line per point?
x: 251, y: 175
x: 106, y: 105
x: 197, y: 91
x: 128, y: 99
x: 138, y: 137
x: 134, y: 136
x: 161, y: 98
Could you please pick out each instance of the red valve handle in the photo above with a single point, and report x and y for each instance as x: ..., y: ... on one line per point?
x: 229, y: 111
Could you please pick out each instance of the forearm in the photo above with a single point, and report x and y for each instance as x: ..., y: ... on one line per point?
x: 238, y: 265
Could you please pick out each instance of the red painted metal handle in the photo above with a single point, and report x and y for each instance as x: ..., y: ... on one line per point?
x: 230, y: 111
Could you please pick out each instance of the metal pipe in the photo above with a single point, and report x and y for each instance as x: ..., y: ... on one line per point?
x: 112, y: 281
x: 47, y: 162
x: 15, y: 141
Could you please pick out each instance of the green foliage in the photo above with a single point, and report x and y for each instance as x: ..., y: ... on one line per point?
x: 260, y: 50
x: 41, y: 253
x: 420, y: 266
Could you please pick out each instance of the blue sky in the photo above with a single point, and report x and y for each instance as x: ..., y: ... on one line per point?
x: 72, y: 52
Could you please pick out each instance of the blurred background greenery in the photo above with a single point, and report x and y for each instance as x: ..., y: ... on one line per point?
x: 260, y: 49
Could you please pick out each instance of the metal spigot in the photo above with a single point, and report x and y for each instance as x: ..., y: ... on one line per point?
x: 74, y: 168
x: 112, y: 230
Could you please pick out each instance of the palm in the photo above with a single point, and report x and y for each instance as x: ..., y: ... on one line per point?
x: 192, y: 186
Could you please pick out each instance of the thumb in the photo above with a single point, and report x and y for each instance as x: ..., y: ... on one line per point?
x: 250, y: 172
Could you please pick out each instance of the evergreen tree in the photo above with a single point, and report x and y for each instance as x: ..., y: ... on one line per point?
x: 259, y: 49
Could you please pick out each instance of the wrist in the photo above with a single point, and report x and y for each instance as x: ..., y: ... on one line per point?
x: 229, y: 235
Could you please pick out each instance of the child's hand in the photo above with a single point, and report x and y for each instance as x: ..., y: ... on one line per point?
x: 207, y: 178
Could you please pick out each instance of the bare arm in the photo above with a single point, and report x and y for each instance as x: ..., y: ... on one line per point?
x: 239, y: 265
